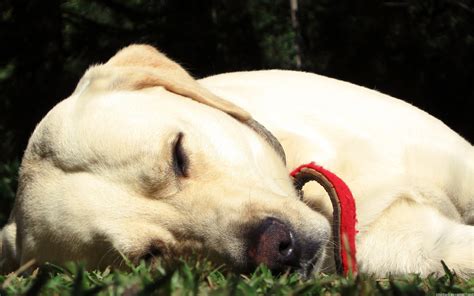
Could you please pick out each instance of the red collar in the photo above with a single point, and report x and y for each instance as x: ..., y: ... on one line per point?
x: 344, y: 213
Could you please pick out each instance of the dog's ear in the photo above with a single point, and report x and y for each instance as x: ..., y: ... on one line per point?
x: 141, y: 66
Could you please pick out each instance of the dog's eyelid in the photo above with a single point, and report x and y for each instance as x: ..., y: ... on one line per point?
x: 180, y: 158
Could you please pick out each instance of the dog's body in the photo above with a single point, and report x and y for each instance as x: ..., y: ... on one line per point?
x: 412, y: 177
x: 99, y: 177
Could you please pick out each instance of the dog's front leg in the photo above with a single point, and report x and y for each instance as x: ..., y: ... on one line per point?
x: 412, y: 237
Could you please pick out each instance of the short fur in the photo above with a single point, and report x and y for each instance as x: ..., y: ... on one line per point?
x: 97, y: 182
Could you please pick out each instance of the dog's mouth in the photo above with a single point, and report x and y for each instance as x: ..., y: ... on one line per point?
x: 272, y: 242
x: 307, y: 268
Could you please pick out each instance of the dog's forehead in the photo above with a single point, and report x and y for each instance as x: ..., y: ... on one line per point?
x: 153, y: 114
x: 135, y: 131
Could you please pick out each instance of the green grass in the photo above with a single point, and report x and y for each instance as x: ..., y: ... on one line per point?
x: 201, y: 277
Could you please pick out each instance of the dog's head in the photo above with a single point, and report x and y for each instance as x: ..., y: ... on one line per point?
x: 142, y: 162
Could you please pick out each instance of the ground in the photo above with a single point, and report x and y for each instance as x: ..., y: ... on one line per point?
x: 193, y: 277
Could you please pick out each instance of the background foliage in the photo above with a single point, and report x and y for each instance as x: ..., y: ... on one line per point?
x: 420, y: 50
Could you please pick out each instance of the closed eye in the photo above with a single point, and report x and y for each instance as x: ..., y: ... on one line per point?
x: 180, y: 159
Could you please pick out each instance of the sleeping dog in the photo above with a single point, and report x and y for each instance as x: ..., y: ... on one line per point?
x: 144, y: 162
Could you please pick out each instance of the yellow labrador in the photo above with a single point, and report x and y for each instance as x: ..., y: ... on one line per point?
x: 143, y: 161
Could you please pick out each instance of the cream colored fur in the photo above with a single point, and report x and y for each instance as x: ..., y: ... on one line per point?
x: 96, y: 181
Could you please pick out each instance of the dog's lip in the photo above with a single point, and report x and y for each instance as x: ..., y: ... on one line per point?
x: 307, y: 268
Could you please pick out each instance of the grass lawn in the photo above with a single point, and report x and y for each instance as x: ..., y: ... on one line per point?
x: 201, y: 277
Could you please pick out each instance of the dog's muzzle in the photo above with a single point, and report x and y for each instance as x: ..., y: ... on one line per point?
x: 275, y: 245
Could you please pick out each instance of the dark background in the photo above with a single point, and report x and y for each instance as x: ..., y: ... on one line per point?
x: 421, y: 51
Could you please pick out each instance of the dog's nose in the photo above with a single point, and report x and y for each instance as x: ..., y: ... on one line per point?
x: 273, y: 243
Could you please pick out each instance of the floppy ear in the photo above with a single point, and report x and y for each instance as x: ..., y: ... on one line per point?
x: 141, y: 66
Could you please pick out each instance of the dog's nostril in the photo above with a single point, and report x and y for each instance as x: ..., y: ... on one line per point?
x: 286, y: 247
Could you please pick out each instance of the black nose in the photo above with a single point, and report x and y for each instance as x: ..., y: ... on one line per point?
x: 273, y: 243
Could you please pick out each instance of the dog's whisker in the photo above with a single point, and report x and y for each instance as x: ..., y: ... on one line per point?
x: 109, y: 250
